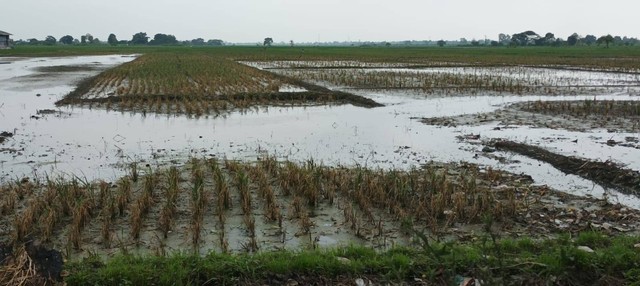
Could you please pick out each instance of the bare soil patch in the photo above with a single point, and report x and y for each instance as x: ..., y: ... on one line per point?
x: 67, y: 68
x: 30, y: 264
x: 4, y: 135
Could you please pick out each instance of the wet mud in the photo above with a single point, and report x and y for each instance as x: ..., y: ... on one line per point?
x: 30, y: 264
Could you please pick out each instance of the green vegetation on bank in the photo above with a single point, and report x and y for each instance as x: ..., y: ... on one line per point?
x: 588, y: 259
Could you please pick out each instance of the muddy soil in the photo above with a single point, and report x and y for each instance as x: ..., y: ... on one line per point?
x: 522, y: 114
x: 4, y: 135
x: 607, y: 173
x: 30, y: 264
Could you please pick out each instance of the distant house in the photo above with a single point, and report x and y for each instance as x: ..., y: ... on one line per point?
x: 4, y: 40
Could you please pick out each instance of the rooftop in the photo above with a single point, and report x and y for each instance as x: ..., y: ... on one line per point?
x: 3, y: 33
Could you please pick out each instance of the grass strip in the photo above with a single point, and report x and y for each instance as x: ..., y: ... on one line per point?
x: 590, y: 258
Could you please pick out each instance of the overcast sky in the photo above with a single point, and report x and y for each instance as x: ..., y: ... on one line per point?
x: 318, y: 20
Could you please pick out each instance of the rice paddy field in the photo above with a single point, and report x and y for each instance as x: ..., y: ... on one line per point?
x: 119, y: 153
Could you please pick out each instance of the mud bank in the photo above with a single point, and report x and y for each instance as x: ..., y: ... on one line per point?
x: 607, y: 174
x: 582, y: 115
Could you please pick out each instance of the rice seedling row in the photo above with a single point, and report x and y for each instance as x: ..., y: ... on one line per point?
x: 227, y: 206
x: 469, y: 80
x: 196, y: 84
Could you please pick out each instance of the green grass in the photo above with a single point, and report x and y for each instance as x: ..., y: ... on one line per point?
x: 513, y: 262
x: 623, y: 58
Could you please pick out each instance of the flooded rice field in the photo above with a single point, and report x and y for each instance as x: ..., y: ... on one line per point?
x: 99, y: 144
x: 271, y: 177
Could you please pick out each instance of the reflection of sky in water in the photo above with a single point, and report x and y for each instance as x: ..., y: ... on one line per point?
x: 96, y: 143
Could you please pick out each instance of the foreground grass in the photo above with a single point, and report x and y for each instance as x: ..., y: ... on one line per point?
x: 588, y: 259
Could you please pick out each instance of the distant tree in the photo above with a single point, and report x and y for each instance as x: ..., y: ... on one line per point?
x: 112, y: 40
x: 33, y: 41
x: 524, y: 38
x: 590, y: 39
x: 495, y: 43
x: 198, y: 42
x: 463, y: 41
x: 629, y: 41
x: 140, y: 39
x: 163, y: 39
x: 441, y: 43
x: 267, y: 42
x: 573, y: 39
x: 504, y: 39
x: 387, y: 44
x: 86, y: 39
x: 291, y: 43
x: 50, y: 40
x: 475, y: 43
x: 215, y: 42
x: 67, y: 40
x: 608, y: 39
x: 96, y: 41
x: 549, y: 39
x: 617, y: 39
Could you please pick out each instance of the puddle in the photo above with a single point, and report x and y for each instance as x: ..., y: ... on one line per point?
x: 97, y: 143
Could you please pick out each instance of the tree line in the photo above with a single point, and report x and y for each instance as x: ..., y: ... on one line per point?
x: 526, y: 38
x: 140, y: 38
x: 531, y: 38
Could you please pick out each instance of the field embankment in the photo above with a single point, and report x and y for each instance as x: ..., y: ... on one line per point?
x: 607, y: 173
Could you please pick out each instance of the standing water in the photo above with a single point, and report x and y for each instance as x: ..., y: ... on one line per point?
x: 95, y: 143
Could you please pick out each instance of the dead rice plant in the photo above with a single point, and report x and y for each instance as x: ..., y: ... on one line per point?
x: 124, y: 194
x: 242, y: 184
x: 21, y: 271
x: 81, y: 217
x: 48, y: 222
x: 8, y: 204
x: 199, y: 199
x: 222, y: 189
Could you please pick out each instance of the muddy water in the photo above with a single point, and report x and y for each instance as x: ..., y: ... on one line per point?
x: 97, y: 143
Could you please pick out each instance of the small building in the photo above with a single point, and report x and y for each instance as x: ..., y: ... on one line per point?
x: 4, y: 40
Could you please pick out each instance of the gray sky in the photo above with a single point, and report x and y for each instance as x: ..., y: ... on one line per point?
x: 323, y: 20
